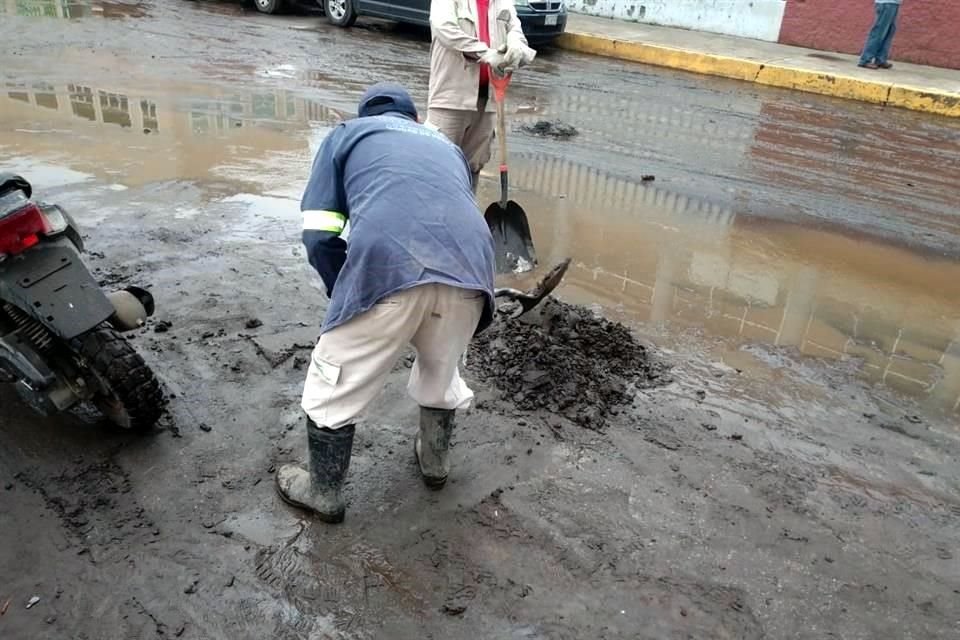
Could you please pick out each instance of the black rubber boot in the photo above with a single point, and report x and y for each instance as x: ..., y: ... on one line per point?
x: 319, y: 489
x: 433, y: 445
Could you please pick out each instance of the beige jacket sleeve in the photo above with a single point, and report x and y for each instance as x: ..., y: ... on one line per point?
x: 515, y: 37
x: 447, y: 31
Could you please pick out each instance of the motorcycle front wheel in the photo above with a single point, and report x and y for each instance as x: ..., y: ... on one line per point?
x: 129, y: 395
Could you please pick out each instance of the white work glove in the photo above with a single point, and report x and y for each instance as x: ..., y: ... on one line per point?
x: 516, y: 56
x: 495, y: 60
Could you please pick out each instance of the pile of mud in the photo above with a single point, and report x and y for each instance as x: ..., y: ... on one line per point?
x: 547, y: 129
x: 566, y: 360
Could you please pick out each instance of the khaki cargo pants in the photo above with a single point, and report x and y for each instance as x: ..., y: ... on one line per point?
x: 351, y: 362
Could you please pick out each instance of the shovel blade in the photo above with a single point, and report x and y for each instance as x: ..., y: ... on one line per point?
x: 545, y: 287
x: 512, y: 240
x: 529, y: 299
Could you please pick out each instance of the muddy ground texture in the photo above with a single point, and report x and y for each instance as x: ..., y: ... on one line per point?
x: 548, y: 129
x: 704, y: 507
x: 789, y: 501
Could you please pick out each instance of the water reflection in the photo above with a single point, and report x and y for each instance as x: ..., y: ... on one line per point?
x: 82, y: 103
x: 163, y: 136
x: 645, y: 251
x: 654, y: 256
x: 71, y: 9
x: 85, y: 102
x: 763, y: 155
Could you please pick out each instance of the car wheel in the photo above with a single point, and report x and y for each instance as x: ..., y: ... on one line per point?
x: 268, y: 6
x: 340, y: 12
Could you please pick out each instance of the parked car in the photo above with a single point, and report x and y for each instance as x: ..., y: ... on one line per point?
x: 542, y: 20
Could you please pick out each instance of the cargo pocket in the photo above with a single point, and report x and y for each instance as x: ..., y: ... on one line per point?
x: 328, y: 371
x: 322, y: 380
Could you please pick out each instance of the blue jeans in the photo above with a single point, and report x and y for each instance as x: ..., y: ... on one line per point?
x: 881, y: 35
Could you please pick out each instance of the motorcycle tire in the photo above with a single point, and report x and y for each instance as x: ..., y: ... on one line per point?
x: 134, y: 400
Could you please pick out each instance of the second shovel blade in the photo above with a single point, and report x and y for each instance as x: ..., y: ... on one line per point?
x: 512, y: 240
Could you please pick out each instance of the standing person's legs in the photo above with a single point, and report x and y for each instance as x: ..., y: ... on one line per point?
x: 472, y: 131
x: 348, y: 369
x: 477, y: 140
x: 452, y: 123
x: 435, y: 381
x: 884, y: 53
x: 877, y: 33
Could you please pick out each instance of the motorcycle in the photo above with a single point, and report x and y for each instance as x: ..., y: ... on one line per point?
x: 60, y: 333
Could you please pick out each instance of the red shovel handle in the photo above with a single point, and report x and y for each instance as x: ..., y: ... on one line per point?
x: 500, y: 84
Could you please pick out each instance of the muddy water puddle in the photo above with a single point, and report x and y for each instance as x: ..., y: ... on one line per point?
x: 644, y: 252
x: 140, y: 137
x: 71, y: 9
x: 679, y: 266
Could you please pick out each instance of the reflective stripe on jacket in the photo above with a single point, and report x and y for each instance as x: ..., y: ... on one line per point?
x: 456, y: 49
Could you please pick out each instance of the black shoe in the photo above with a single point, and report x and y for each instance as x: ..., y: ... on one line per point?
x: 319, y: 489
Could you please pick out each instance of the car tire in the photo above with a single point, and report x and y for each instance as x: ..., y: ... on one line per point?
x: 340, y: 13
x: 268, y: 6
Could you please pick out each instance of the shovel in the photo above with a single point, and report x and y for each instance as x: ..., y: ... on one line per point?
x: 529, y: 299
x: 512, y: 241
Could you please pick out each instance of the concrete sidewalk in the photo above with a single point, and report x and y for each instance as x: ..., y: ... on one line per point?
x: 908, y: 86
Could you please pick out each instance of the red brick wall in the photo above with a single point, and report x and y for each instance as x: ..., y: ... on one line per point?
x: 928, y: 31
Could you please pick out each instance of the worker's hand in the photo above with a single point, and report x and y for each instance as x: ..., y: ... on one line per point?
x: 501, y: 71
x: 517, y: 56
x: 512, y: 57
x: 494, y: 59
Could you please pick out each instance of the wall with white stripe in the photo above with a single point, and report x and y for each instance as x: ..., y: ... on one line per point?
x: 758, y: 19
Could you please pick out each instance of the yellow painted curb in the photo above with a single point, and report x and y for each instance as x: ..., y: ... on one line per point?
x: 945, y: 104
x: 839, y: 86
x: 660, y: 56
x: 824, y: 83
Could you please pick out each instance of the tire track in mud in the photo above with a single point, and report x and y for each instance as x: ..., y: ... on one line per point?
x: 96, y: 505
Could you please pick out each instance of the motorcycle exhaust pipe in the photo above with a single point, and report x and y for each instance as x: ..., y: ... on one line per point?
x: 132, y: 306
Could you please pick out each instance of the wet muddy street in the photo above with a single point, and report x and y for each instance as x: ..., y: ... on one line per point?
x: 773, y: 453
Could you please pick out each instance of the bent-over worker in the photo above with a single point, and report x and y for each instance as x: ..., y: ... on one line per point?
x: 471, y: 40
x: 416, y: 269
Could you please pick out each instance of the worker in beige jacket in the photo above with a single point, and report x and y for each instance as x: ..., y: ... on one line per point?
x: 471, y: 40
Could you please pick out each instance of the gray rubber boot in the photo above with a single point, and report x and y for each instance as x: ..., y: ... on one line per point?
x: 433, y: 445
x: 319, y: 489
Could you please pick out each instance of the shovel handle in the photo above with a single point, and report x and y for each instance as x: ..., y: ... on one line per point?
x: 500, y: 85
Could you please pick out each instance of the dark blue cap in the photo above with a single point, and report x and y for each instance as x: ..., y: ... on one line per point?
x: 386, y: 97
